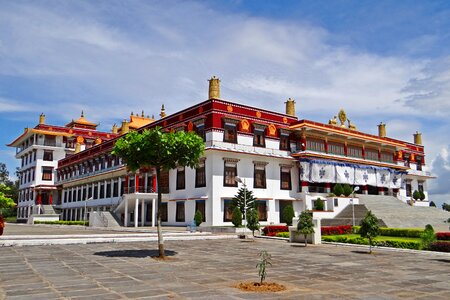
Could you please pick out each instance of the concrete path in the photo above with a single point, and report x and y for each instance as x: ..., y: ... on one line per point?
x: 209, y: 269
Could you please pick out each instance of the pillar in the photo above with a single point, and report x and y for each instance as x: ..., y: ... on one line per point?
x: 380, y: 191
x: 136, y: 212
x: 305, y: 185
x: 142, y: 213
x: 154, y: 187
x: 153, y: 212
x: 365, y: 190
x: 127, y: 183
x: 136, y: 183
x: 125, y: 220
x: 327, y: 187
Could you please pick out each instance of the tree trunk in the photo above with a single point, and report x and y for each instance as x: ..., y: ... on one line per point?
x: 370, y: 246
x: 306, y: 240
x: 158, y: 215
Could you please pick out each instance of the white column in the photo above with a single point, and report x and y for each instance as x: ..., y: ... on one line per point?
x: 153, y: 212
x: 136, y: 212
x: 145, y: 182
x: 125, y: 220
x: 111, y: 188
x: 70, y: 214
x: 119, y: 186
x: 142, y: 213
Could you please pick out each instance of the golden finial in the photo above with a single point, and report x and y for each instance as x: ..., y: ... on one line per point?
x: 333, y: 121
x: 342, y: 117
x: 382, y: 130
x: 163, y: 112
x: 42, y: 118
x: 142, y: 115
x: 82, y: 113
x: 153, y: 116
x: 418, y: 138
x: 115, y: 129
x: 125, y: 127
x: 132, y: 113
x: 214, y: 88
x: 290, y: 107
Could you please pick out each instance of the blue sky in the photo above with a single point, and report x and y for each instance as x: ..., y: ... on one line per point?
x: 379, y: 60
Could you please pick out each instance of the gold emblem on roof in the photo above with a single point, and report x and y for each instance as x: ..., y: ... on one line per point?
x: 342, y: 117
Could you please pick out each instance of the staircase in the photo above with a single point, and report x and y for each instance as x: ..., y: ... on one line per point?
x: 398, y: 214
x: 103, y: 219
x: 345, y: 217
x: 48, y: 210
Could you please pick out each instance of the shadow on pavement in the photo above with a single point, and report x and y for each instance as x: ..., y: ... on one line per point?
x: 134, y: 253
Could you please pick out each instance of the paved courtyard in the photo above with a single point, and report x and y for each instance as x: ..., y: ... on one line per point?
x: 208, y: 269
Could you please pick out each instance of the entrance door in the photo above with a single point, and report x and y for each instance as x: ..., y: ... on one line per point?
x: 283, y: 204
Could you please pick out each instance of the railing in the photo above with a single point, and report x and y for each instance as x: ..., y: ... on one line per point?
x: 141, y: 189
x: 89, y: 174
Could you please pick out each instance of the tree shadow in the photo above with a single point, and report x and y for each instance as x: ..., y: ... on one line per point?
x: 361, y: 252
x: 134, y: 253
x: 443, y: 260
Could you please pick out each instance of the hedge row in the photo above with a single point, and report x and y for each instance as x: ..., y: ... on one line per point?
x: 62, y: 222
x: 443, y: 236
x: 283, y: 234
x: 335, y: 230
x: 440, y: 246
x: 272, y: 230
x: 363, y: 241
x: 399, y: 232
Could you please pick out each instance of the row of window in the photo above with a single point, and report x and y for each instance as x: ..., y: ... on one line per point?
x: 26, y: 194
x: 28, y: 158
x: 97, y: 164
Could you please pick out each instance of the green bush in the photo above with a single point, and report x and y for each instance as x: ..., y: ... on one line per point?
x: 416, y: 195
x: 422, y: 196
x: 318, y: 204
x: 283, y: 234
x: 338, y: 190
x: 363, y: 241
x: 427, y: 237
x: 400, y: 232
x: 198, y: 218
x: 288, y: 214
x: 237, y: 217
x: 62, y: 222
x: 347, y: 190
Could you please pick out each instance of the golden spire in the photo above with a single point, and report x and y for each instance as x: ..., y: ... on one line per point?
x: 82, y: 114
x: 382, y: 130
x: 125, y: 127
x: 290, y: 107
x: 418, y: 138
x: 163, y: 112
x: 142, y: 115
x: 214, y: 88
x: 115, y: 129
x: 42, y: 118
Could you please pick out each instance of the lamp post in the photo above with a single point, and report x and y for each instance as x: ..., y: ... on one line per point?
x: 238, y: 179
x: 85, y: 211
x: 353, y: 204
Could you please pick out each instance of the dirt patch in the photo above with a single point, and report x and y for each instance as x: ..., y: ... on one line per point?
x: 265, y: 287
x: 165, y: 258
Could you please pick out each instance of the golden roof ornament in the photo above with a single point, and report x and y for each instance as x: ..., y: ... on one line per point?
x: 163, y: 112
x: 342, y: 117
x: 333, y: 121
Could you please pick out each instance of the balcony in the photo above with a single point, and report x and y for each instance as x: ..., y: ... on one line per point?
x: 80, y: 176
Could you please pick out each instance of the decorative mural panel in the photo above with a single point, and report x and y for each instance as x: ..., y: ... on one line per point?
x: 322, y: 172
x: 383, y: 178
x: 365, y: 176
x: 345, y: 174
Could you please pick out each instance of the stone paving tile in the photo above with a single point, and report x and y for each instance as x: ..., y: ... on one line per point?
x: 210, y: 269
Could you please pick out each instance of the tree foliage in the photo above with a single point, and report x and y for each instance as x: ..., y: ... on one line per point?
x: 244, y: 196
x: 266, y: 260
x: 198, y: 218
x: 161, y: 150
x: 6, y: 202
x: 305, y: 224
x: 416, y: 195
x: 253, y: 220
x: 338, y: 190
x: 288, y: 214
x: 318, y: 204
x: 237, y: 217
x: 427, y: 237
x: 347, y: 190
x: 369, y: 228
x: 446, y: 206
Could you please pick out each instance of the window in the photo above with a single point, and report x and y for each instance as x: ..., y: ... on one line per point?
x: 85, y: 190
x: 115, y: 188
x: 108, y: 189
x: 48, y: 155
x: 354, y: 151
x: 371, y: 154
x: 419, y: 162
x: 200, y: 130
x: 230, y: 133
x: 70, y: 195
x: 387, y: 157
x: 181, y: 178
x: 284, y: 142
x: 408, y: 188
x: 122, y: 186
x: 262, y: 210
x: 200, y: 206
x: 230, y: 172
x: 102, y: 190
x: 89, y: 191
x: 180, y: 212
x: 227, y: 211
x: 200, y: 175
x: 315, y: 145
x: 50, y: 141
x: 47, y: 173
x: 163, y: 212
x: 259, y: 175
x: 95, y: 196
x: 285, y: 176
x: 258, y: 137
x: 420, y: 186
x: 336, y: 148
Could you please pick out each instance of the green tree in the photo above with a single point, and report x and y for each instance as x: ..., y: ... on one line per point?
x: 163, y: 151
x: 5, y: 203
x: 416, y: 195
x: 369, y: 228
x: 244, y: 196
x: 305, y: 224
x: 427, y: 237
x: 198, y: 218
x: 318, y: 204
x: 347, y: 190
x: 432, y: 204
x: 421, y: 195
x: 236, y: 219
x: 338, y: 190
x: 446, y: 206
x: 288, y: 214
x: 252, y: 220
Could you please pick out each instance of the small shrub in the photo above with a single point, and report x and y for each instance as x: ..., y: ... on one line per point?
x: 421, y: 196
x: 288, y: 214
x: 237, y: 217
x: 335, y: 230
x: 369, y: 228
x: 272, y: 230
x: 318, y: 204
x: 283, y: 234
x: 198, y: 218
x: 427, y: 237
x: 347, y: 190
x: 266, y: 260
x: 252, y: 220
x: 443, y: 236
x: 416, y: 195
x: 440, y: 246
x: 338, y: 190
